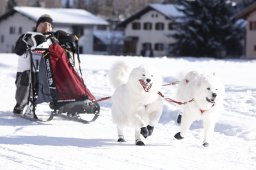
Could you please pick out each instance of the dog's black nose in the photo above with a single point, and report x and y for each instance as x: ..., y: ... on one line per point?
x: 214, y: 95
x: 148, y: 80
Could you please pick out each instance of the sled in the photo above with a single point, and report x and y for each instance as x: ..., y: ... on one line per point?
x: 56, y: 81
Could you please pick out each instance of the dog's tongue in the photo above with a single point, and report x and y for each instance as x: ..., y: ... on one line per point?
x: 146, y: 86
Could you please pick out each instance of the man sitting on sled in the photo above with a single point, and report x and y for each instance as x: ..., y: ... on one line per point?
x: 57, y: 82
x: 23, y: 79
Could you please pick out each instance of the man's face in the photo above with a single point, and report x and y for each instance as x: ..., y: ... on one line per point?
x: 44, y: 27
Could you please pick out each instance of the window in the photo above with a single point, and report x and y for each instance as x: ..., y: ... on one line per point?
x: 78, y: 30
x: 20, y: 30
x: 171, y: 26
x: 147, y: 26
x: 13, y: 49
x: 81, y: 49
x: 147, y: 49
x: 146, y: 46
x: 159, y: 26
x: 159, y: 47
x: 101, y: 27
x: 154, y: 15
x: 136, y: 26
x: 2, y: 38
x: 12, y: 30
x: 252, y: 25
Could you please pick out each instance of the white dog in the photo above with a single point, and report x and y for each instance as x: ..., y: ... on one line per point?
x: 181, y: 95
x: 204, y: 94
x: 135, y: 101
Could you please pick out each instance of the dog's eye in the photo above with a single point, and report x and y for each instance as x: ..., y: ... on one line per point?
x: 208, y: 88
x: 143, y: 75
x: 216, y: 89
x: 152, y: 75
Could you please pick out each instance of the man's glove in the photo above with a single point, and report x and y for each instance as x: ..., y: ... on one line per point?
x: 65, y: 39
x: 33, y: 39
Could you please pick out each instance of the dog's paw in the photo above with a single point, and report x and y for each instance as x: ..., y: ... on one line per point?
x: 205, y: 144
x: 121, y: 140
x: 150, y: 130
x: 139, y: 143
x: 144, y: 132
x: 179, y: 119
x: 178, y: 136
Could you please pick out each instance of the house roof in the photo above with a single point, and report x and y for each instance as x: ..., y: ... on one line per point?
x: 6, y: 15
x: 108, y: 37
x: 60, y: 15
x: 247, y: 11
x: 168, y: 10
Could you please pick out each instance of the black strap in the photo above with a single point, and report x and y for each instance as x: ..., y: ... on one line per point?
x: 50, y: 77
x: 32, y: 85
x: 78, y: 57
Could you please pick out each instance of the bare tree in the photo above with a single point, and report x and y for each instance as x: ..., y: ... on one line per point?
x: 52, y: 4
x: 11, y: 4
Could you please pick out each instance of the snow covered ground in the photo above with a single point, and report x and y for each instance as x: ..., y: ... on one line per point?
x: 63, y: 145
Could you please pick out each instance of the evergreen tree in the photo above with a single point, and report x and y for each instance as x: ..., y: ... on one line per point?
x: 11, y: 4
x: 207, y: 29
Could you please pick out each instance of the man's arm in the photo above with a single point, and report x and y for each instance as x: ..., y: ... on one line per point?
x: 20, y: 46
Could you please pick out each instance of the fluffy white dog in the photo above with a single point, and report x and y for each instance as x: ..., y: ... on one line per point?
x: 204, y: 96
x: 135, y: 102
x: 181, y: 95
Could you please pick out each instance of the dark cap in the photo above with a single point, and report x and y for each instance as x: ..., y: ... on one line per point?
x: 44, y: 18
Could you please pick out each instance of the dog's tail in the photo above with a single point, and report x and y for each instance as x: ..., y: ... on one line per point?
x: 119, y: 73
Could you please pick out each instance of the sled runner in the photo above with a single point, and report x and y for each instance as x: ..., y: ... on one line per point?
x: 56, y: 81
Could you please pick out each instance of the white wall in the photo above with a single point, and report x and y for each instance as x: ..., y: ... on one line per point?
x: 251, y: 37
x: 153, y: 36
x: 17, y: 20
x: 87, y: 41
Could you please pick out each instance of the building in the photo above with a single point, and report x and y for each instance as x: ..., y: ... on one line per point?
x: 34, y: 3
x: 147, y: 32
x: 249, y: 14
x: 76, y: 21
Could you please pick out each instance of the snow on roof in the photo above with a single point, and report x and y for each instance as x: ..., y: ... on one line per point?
x: 62, y: 15
x: 168, y: 10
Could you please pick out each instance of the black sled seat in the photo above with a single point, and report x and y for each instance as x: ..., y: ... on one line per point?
x: 60, y: 84
x: 72, y: 108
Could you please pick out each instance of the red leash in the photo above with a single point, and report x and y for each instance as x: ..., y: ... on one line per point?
x: 101, y: 99
x: 168, y: 99
x: 174, y: 101
x: 178, y: 102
